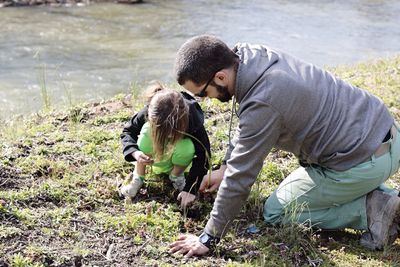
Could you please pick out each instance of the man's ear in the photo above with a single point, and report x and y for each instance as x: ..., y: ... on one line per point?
x: 221, y: 76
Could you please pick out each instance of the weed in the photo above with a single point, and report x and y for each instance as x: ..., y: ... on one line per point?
x: 43, y: 88
x: 119, y: 117
x: 9, y: 231
x: 18, y: 260
x: 76, y: 114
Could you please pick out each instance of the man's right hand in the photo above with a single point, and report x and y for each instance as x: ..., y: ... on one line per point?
x: 211, y: 183
x: 142, y: 158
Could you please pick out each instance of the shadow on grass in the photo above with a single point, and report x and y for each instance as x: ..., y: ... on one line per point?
x: 296, y: 245
x: 347, y: 242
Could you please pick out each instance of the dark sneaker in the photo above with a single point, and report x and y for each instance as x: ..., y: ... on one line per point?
x: 383, y: 214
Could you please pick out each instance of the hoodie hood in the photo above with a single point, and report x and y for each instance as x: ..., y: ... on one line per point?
x: 254, y: 61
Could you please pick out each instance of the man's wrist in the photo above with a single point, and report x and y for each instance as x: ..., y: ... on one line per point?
x: 209, y: 241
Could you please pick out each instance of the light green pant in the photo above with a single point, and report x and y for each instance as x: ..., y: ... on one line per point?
x: 182, y: 154
x: 329, y: 199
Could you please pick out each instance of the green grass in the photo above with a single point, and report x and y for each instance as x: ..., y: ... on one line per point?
x: 58, y: 203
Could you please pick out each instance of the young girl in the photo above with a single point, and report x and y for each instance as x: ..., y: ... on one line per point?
x: 156, y: 136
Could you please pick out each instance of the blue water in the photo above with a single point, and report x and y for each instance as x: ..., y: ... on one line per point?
x: 93, y: 52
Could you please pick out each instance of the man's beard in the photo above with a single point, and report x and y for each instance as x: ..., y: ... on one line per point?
x: 223, y: 93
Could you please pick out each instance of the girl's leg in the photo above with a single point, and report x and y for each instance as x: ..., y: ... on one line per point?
x: 182, y: 156
x: 177, y: 177
x: 131, y: 189
x: 183, y: 153
x: 178, y: 170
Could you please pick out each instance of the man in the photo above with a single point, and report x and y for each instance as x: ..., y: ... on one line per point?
x: 345, y: 139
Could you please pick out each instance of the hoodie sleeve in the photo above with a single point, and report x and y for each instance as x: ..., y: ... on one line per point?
x: 200, y: 161
x: 201, y: 144
x: 130, y: 134
x: 258, y: 131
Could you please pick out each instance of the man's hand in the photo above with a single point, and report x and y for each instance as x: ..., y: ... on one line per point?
x: 211, y: 184
x: 189, y: 245
x: 185, y: 198
x: 142, y: 158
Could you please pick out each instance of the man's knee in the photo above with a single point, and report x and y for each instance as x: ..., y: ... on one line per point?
x: 273, y: 210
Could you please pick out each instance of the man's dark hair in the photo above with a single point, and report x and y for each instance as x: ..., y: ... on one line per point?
x: 201, y: 57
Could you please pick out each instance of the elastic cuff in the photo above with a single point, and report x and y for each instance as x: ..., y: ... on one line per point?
x: 141, y: 177
x: 174, y: 177
x: 128, y: 154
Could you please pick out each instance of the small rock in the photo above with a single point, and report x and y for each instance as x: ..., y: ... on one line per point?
x: 252, y: 229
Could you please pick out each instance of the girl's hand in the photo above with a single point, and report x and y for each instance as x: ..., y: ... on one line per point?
x: 142, y: 158
x: 185, y: 198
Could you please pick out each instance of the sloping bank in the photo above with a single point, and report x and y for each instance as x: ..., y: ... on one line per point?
x: 58, y: 204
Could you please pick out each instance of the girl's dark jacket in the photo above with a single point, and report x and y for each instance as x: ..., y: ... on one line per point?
x: 199, y: 166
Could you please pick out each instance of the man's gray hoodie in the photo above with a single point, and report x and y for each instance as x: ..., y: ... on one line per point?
x: 297, y: 107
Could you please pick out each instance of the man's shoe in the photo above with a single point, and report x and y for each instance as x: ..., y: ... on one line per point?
x: 178, y: 182
x: 383, y: 215
x: 131, y: 189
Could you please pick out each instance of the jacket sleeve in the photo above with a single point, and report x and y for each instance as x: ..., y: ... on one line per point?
x: 130, y: 134
x: 200, y: 161
x: 258, y: 131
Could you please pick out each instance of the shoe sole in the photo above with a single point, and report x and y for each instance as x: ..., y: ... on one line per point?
x: 395, y: 201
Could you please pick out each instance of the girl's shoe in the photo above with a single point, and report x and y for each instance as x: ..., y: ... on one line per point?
x: 131, y: 189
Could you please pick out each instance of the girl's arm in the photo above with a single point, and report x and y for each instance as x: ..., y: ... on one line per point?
x: 200, y: 161
x: 130, y: 134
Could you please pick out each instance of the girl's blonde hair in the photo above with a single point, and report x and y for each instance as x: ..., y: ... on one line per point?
x: 168, y: 116
x: 151, y: 90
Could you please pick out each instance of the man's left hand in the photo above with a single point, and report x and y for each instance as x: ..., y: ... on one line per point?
x: 185, y: 198
x: 189, y: 245
x: 210, y: 183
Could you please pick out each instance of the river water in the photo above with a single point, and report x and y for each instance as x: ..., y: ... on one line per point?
x: 93, y: 52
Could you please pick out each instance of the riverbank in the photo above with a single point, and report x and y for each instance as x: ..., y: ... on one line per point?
x: 20, y: 3
x: 59, y: 207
